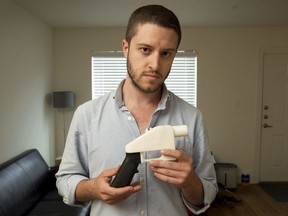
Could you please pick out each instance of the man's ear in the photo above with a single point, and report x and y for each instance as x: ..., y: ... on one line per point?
x: 125, y: 48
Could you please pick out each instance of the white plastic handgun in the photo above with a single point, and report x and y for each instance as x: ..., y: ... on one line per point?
x: 157, y: 138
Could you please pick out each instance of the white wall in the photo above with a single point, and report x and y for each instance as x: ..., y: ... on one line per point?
x: 26, y: 115
x: 228, y: 77
x: 228, y: 88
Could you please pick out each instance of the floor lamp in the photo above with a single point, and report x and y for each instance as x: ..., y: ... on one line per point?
x: 63, y: 99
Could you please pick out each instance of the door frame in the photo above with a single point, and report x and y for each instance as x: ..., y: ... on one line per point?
x: 259, y: 104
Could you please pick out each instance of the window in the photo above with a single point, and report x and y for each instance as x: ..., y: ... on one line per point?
x: 109, y: 69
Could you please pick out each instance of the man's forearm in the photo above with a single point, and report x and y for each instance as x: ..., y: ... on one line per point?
x: 194, y: 192
x: 85, y: 191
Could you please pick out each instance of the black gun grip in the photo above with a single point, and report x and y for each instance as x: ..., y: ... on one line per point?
x: 127, y: 170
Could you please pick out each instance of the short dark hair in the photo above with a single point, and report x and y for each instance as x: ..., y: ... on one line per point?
x: 154, y: 14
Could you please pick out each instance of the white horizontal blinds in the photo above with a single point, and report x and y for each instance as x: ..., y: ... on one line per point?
x: 182, y: 79
x: 109, y: 68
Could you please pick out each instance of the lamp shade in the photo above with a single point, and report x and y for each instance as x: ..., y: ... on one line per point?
x: 63, y: 99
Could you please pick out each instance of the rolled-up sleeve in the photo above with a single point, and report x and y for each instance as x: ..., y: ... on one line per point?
x: 209, y: 194
x: 73, y: 167
x: 67, y: 186
x: 204, y: 167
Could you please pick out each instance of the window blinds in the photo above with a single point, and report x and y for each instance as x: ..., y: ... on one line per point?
x: 109, y: 69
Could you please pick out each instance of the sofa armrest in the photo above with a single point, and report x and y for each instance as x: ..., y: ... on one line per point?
x: 51, y: 179
x: 54, y: 169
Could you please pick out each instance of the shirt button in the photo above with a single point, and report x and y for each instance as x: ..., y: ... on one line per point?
x: 142, y: 212
x: 141, y: 179
x: 130, y: 118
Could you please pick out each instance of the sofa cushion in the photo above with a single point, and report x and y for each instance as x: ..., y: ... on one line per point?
x: 56, y: 207
x: 52, y: 204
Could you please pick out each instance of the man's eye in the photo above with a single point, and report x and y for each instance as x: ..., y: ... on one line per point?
x: 165, y: 54
x: 145, y: 50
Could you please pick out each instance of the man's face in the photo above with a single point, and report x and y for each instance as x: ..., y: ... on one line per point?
x: 150, y: 56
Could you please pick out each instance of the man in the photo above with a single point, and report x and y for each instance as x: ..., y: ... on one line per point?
x: 100, y: 129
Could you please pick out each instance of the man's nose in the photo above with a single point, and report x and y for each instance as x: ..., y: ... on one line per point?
x: 154, y: 61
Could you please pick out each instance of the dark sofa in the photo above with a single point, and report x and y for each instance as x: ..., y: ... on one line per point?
x: 27, y: 187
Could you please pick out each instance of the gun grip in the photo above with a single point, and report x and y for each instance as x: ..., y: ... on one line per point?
x: 127, y: 170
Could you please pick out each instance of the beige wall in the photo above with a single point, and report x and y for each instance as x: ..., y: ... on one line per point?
x: 73, y: 48
x: 228, y: 80
x: 26, y: 116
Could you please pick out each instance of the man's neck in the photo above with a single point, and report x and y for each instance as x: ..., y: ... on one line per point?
x: 133, y: 96
x: 142, y: 105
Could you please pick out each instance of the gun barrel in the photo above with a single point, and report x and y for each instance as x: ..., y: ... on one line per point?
x: 181, y: 130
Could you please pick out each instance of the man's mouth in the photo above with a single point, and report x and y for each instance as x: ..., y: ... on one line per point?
x: 152, y: 75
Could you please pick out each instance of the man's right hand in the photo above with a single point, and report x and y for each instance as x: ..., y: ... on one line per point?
x: 99, y: 188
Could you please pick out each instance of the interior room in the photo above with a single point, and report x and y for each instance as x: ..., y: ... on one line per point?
x: 46, y: 47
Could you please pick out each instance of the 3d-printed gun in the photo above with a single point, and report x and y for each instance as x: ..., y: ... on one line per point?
x: 160, y: 137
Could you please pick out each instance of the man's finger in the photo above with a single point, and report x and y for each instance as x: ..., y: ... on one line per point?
x: 111, y: 172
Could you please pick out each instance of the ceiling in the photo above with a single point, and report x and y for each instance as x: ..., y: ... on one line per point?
x: 191, y: 13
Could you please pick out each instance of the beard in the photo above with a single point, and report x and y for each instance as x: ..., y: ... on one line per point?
x: 152, y: 86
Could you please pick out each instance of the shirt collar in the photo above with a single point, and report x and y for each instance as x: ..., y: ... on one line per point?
x: 118, y: 95
x: 164, y: 98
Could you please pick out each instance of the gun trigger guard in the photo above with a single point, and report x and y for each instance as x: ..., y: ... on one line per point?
x: 163, y: 158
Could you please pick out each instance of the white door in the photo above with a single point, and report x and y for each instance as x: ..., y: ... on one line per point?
x: 274, y: 133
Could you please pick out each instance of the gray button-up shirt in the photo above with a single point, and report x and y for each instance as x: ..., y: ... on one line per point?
x: 96, y: 141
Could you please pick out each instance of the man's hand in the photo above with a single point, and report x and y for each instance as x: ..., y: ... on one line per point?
x: 99, y: 188
x: 180, y: 173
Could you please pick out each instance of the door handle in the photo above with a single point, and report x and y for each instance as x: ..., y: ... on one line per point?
x: 267, y: 126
